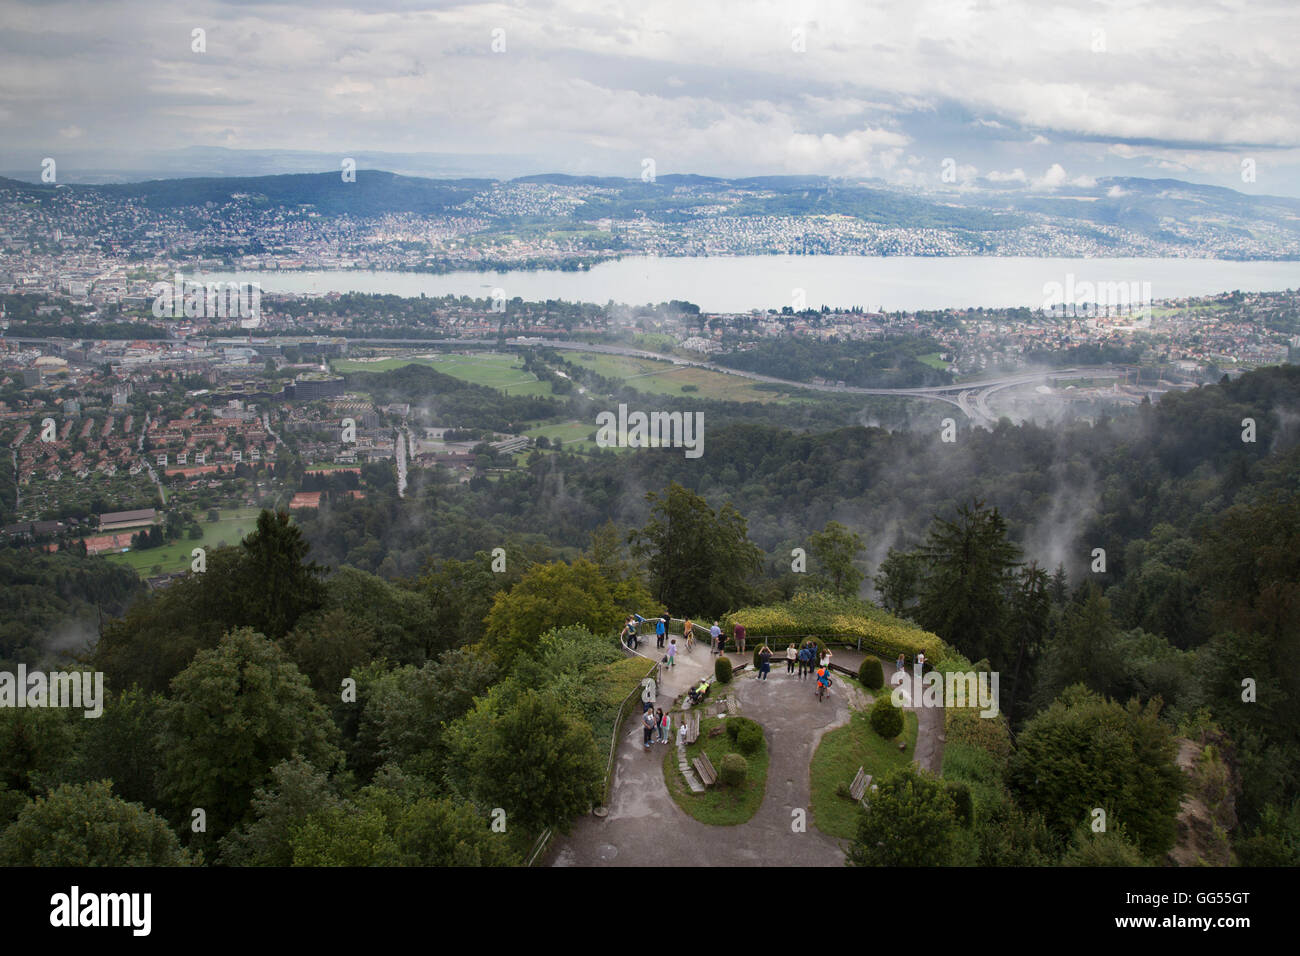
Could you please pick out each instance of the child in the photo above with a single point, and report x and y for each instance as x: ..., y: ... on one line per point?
x: 672, y: 652
x: 823, y: 680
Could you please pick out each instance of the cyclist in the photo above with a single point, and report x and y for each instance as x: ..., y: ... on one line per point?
x: 823, y: 681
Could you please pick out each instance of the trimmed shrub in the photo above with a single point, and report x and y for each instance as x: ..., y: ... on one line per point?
x: 722, y: 670
x: 734, y: 725
x: 750, y: 739
x: 870, y: 674
x: 886, y: 719
x: 733, y: 771
x: 961, y: 798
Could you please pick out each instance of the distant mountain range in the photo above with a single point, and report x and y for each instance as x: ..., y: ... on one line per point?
x: 1118, y: 211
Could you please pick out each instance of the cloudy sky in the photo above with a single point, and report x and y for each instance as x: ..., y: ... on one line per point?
x: 1023, y: 94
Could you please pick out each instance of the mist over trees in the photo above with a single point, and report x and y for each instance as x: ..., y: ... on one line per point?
x: 361, y: 684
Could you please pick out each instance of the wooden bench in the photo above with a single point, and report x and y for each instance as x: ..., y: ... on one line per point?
x: 692, y: 728
x: 858, y: 789
x: 704, y: 767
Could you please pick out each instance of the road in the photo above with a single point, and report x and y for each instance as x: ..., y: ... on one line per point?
x: 970, y: 397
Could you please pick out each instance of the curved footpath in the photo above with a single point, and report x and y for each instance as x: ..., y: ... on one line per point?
x: 645, y: 827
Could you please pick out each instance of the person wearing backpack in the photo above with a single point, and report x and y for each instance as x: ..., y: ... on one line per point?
x: 803, y: 662
x: 661, y: 629
x: 823, y: 681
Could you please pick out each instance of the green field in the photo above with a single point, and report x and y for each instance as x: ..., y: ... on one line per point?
x: 663, y: 378
x: 573, y: 435
x: 231, y: 529
x: 719, y: 805
x: 839, y: 755
x: 933, y: 361
x: 493, y: 369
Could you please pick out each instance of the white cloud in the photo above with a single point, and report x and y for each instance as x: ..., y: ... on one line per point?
x: 1016, y: 175
x: 1051, y: 179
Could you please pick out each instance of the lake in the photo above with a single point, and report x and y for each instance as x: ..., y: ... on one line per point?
x: 741, y: 283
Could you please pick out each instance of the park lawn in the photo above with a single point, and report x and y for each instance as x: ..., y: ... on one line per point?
x: 176, y: 556
x: 839, y: 755
x: 717, y: 805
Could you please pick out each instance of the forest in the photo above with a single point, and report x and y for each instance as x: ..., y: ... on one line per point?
x: 353, y: 685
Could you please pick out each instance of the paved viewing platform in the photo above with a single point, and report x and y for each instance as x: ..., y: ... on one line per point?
x: 645, y: 827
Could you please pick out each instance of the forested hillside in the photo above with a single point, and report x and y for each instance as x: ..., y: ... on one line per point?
x: 354, y: 685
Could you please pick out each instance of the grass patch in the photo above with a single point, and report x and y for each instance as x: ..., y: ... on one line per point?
x: 653, y: 377
x: 717, y: 805
x: 933, y: 360
x: 839, y: 755
x: 493, y: 369
x: 177, y: 555
x: 613, y: 682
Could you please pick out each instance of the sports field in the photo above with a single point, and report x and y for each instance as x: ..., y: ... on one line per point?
x: 663, y: 378
x: 176, y: 556
x: 493, y: 369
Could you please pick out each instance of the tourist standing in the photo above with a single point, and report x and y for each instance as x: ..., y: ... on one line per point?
x: 901, y: 663
x: 661, y: 630
x: 803, y: 662
x: 920, y: 664
x: 648, y: 721
x: 790, y: 655
x: 716, y: 633
x: 738, y: 635
x: 764, y: 662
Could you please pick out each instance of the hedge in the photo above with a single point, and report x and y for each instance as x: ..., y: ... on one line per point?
x: 843, y: 619
x: 722, y: 670
x: 886, y: 719
x: 733, y: 771
x: 870, y: 674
